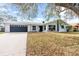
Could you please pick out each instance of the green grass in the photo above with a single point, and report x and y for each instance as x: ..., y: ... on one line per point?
x: 71, y: 32
x: 53, y: 44
x: 1, y: 32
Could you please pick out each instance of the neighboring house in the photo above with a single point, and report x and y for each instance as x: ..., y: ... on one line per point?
x: 2, y: 28
x: 56, y: 25
x: 75, y: 27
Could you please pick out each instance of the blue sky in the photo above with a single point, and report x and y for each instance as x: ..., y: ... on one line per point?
x: 12, y: 10
x: 41, y: 8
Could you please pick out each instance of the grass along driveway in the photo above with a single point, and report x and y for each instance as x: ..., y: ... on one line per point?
x: 53, y: 44
x: 1, y: 32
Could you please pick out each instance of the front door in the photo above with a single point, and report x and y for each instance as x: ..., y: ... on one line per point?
x: 40, y: 28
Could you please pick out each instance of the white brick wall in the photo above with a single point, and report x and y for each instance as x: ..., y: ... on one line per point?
x: 7, y: 28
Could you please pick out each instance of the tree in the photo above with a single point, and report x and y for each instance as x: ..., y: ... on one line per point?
x: 49, y: 11
x: 69, y: 14
x: 5, y: 16
x: 27, y: 10
x: 53, y: 10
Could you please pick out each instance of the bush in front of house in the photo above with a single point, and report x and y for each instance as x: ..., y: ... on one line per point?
x: 69, y: 28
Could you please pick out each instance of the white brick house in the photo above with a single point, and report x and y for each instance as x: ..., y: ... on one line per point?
x: 14, y: 26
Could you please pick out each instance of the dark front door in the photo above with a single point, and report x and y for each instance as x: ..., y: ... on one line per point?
x: 40, y: 28
x: 18, y: 28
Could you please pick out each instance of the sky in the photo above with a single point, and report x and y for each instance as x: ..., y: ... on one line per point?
x: 39, y: 1
x: 12, y: 10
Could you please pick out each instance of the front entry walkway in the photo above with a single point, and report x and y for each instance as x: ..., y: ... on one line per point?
x: 13, y: 44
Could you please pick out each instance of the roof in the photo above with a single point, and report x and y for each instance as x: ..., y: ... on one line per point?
x: 56, y: 21
x: 24, y: 23
x: 33, y: 23
x: 74, y: 24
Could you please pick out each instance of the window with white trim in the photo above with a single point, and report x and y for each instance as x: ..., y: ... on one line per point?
x: 51, y: 27
x: 62, y: 26
x: 33, y: 27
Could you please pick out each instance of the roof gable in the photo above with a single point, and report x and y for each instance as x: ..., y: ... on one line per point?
x: 59, y: 20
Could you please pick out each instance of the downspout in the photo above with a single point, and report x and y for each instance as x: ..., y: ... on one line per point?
x: 58, y: 23
x: 43, y: 26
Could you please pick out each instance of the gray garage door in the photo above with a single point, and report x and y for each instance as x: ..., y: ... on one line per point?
x: 18, y: 28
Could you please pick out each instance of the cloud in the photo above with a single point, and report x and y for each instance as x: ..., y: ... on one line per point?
x: 2, y: 4
x: 3, y: 9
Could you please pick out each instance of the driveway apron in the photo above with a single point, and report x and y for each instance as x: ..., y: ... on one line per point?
x: 13, y: 44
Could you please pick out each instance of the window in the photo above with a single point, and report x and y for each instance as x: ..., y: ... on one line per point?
x: 51, y: 27
x: 33, y: 27
x: 62, y: 26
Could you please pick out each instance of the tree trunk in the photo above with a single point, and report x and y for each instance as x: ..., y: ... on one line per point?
x: 58, y: 25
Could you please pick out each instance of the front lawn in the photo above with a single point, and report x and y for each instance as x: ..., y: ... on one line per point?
x: 52, y: 44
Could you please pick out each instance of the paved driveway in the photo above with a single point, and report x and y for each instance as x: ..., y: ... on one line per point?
x: 13, y: 44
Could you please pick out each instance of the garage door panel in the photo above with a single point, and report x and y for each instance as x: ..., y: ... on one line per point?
x: 18, y: 29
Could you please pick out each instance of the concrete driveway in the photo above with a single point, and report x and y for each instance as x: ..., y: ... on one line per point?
x: 13, y: 44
